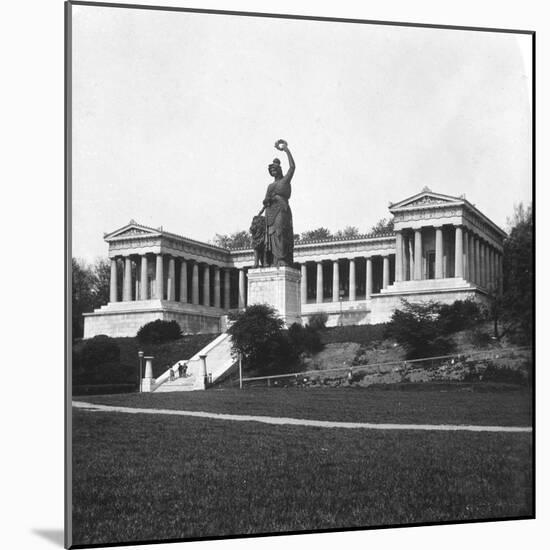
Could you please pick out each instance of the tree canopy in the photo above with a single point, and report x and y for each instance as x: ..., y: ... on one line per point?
x: 90, y: 290
x: 518, y: 270
x: 385, y: 225
x: 238, y: 239
x: 318, y: 234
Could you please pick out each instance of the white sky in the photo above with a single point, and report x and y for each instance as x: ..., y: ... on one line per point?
x: 175, y: 116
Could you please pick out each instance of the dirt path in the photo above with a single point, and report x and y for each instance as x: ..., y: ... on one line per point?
x: 300, y: 421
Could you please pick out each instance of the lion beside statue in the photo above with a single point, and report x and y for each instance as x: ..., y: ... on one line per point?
x: 257, y: 230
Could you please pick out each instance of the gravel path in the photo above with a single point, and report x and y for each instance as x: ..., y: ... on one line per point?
x: 281, y: 421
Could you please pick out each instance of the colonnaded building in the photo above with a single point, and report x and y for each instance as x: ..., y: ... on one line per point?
x: 442, y: 248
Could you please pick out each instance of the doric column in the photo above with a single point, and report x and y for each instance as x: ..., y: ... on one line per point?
x: 242, y: 290
x: 385, y: 272
x: 472, y: 272
x: 335, y: 281
x: 159, y: 278
x: 143, y: 283
x: 217, y: 287
x: 183, y: 282
x: 399, y: 276
x: 490, y: 267
x: 352, y: 284
x: 226, y: 289
x: 303, y: 284
x: 127, y: 281
x: 368, y: 276
x: 206, y: 285
x: 113, y: 291
x: 438, y: 252
x: 171, y: 283
x: 417, y: 254
x: 466, y: 253
x: 500, y: 274
x: 459, y: 266
x: 487, y: 265
x: 195, y: 284
x: 477, y: 260
x: 411, y: 257
x: 319, y: 294
x: 483, y: 263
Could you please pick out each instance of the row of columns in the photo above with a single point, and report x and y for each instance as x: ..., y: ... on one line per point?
x: 352, y: 285
x: 160, y: 293
x: 474, y: 258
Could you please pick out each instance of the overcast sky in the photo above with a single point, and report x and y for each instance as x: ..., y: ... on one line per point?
x: 175, y: 116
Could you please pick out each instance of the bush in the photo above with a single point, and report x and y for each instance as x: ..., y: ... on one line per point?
x: 94, y: 351
x: 479, y: 338
x: 417, y: 328
x: 460, y: 315
x: 158, y: 332
x: 304, y: 339
x: 318, y: 321
x: 257, y: 334
x: 97, y: 361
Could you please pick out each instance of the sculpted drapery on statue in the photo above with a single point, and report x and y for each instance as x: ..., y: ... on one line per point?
x: 274, y: 242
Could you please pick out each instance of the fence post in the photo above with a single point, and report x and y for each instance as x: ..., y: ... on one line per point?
x: 240, y: 371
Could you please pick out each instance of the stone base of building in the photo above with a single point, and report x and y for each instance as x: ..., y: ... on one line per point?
x: 120, y: 319
x: 347, y: 313
x: 280, y: 288
x: 446, y: 291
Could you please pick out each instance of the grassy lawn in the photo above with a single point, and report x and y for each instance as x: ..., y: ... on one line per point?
x: 142, y: 477
x: 433, y: 406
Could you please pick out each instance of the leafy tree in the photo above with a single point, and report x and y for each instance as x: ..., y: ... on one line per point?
x: 257, y: 333
x: 304, y: 339
x: 239, y: 239
x: 518, y: 272
x: 90, y: 290
x: 348, y: 232
x: 318, y: 234
x: 459, y: 315
x: 417, y: 328
x: 382, y: 226
x: 82, y: 295
x: 102, y: 281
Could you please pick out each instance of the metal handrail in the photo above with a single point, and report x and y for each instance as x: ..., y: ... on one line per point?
x: 370, y: 365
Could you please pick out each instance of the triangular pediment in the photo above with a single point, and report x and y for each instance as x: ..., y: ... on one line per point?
x: 133, y: 229
x: 426, y: 198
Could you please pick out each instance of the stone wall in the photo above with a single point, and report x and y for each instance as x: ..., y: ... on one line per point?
x: 127, y: 323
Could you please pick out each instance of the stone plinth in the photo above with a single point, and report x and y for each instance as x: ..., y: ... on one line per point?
x: 278, y: 287
x: 126, y: 318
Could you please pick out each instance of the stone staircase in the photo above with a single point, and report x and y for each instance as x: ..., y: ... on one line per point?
x: 219, y: 362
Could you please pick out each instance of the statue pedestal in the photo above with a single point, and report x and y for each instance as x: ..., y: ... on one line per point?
x: 278, y: 287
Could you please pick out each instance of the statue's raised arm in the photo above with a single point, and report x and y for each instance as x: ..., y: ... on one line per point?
x: 282, y: 145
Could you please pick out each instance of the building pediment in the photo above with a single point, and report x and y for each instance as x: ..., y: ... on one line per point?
x: 132, y: 230
x: 426, y: 198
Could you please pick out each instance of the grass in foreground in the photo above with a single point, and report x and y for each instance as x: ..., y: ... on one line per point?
x: 139, y: 477
x: 502, y: 408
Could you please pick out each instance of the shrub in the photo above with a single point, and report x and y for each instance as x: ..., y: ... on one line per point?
x: 158, y: 332
x: 417, y: 328
x: 318, y: 321
x: 257, y: 334
x: 97, y: 361
x: 94, y: 351
x: 304, y: 339
x: 459, y: 315
x: 479, y: 338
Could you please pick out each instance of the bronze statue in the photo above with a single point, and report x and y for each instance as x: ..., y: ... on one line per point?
x: 279, y: 233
